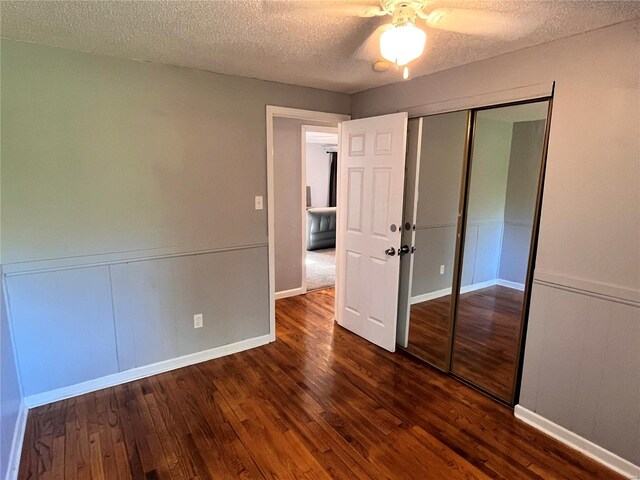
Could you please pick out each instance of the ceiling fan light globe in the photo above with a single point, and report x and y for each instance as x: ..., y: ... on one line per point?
x: 401, y: 44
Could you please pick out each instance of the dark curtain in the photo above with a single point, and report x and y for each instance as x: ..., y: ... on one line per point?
x: 333, y: 179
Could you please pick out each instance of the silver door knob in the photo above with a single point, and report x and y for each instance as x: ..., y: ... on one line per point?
x: 403, y: 250
x: 390, y: 252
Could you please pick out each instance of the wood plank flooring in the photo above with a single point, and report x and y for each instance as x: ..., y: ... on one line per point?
x: 429, y: 330
x: 485, y: 347
x: 318, y: 403
x: 487, y: 336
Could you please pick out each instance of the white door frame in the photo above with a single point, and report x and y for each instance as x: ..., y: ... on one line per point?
x: 284, y: 112
x: 305, y: 129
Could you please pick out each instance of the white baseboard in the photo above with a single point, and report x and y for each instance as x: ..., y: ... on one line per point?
x: 575, y: 441
x: 16, y: 443
x: 478, y: 286
x: 290, y: 293
x: 425, y: 297
x: 142, y: 372
x: 430, y: 296
x: 510, y: 284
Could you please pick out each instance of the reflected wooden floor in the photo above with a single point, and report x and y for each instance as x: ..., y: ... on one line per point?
x: 318, y: 403
x: 429, y: 330
x: 486, y: 339
x: 487, y: 336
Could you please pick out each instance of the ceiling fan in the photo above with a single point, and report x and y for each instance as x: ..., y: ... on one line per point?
x: 403, y: 40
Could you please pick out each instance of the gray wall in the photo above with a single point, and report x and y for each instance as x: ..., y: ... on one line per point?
x: 73, y: 325
x: 590, y: 228
x: 441, y: 160
x: 128, y: 206
x: 287, y: 171
x: 524, y: 170
x: 489, y: 170
x: 487, y: 197
x: 10, y: 395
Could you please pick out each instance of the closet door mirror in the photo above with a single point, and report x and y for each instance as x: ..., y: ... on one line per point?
x: 503, y: 178
x: 439, y: 179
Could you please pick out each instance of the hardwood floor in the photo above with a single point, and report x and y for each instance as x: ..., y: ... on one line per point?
x: 429, y: 330
x: 318, y: 403
x: 487, y: 336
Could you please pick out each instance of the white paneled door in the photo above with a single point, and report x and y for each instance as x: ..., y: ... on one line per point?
x: 370, y: 226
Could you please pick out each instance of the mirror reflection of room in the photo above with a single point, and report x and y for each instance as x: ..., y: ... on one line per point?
x: 479, y: 338
x: 439, y: 178
x: 504, y: 176
x: 321, y: 164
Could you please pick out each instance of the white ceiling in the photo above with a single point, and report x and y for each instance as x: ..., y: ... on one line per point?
x: 304, y: 42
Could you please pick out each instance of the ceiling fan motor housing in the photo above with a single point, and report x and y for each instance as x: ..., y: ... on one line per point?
x: 403, y: 11
x: 403, y: 15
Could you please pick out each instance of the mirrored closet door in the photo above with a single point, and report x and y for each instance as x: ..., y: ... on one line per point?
x: 471, y: 214
x: 432, y: 213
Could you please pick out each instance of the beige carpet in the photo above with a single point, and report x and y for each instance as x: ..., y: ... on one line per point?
x: 321, y: 269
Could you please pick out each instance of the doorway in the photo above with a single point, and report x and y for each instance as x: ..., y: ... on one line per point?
x: 320, y: 167
x: 286, y: 197
x: 466, y: 242
x: 472, y: 206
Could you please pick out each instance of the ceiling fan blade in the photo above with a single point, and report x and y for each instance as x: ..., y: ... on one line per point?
x: 373, y: 12
x: 369, y: 50
x: 477, y: 22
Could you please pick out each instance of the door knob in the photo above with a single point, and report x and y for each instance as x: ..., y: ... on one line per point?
x: 390, y: 252
x: 403, y: 250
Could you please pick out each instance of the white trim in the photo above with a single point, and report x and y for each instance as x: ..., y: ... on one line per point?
x: 528, y: 92
x: 303, y: 156
x: 604, y: 290
x: 44, y: 266
x: 141, y: 372
x: 425, y: 297
x: 88, y: 261
x: 303, y: 211
x: 404, y: 342
x: 290, y: 293
x: 16, y: 443
x: 510, y: 284
x: 339, y: 201
x: 575, y: 441
x: 307, y: 115
x: 478, y: 286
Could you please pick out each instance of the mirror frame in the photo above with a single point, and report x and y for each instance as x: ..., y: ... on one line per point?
x: 460, y: 238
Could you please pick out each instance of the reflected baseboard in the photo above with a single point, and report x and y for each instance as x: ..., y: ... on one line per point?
x: 430, y: 296
x: 469, y: 288
x: 510, y: 284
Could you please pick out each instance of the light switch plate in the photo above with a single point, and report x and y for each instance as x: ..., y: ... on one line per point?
x: 259, y: 203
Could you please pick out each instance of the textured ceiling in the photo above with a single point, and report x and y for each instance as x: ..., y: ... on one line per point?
x: 311, y: 43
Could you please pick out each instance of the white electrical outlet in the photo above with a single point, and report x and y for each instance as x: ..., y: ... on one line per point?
x: 259, y: 203
x: 198, y: 321
x: 441, y: 269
